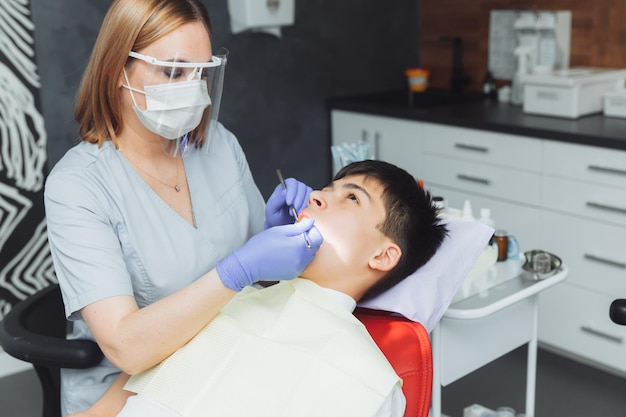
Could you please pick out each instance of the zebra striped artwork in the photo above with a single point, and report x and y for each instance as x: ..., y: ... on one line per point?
x: 25, y: 262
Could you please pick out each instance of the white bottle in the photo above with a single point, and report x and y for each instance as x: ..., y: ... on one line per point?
x: 547, y: 47
x: 485, y: 217
x: 517, y: 86
x: 466, y: 214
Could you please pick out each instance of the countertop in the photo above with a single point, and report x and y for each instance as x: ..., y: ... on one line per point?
x: 491, y: 115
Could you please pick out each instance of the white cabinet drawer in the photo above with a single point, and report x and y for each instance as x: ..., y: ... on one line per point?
x: 587, y: 163
x: 594, y: 252
x: 594, y: 201
x: 577, y: 321
x: 485, y: 147
x: 393, y: 140
x: 478, y: 178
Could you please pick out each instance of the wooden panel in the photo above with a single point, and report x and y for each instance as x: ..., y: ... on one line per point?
x: 598, y: 33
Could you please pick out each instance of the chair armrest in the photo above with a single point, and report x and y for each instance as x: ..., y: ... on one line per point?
x: 49, y: 351
x: 34, y: 331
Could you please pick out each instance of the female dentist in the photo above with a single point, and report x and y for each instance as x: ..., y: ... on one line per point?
x: 154, y: 220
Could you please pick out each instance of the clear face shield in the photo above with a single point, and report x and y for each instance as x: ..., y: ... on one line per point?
x: 180, y: 100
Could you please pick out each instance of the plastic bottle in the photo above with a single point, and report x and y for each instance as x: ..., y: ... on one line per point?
x: 517, y: 87
x: 547, y: 47
x: 489, y: 86
x: 505, y: 412
x: 485, y: 217
x: 467, y: 214
x: 440, y: 203
x: 477, y: 410
x: 502, y: 240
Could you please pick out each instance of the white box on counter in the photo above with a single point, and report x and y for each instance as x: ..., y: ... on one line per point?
x: 570, y: 93
x: 615, y: 103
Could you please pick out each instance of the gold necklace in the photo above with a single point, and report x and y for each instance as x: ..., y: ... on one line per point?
x: 176, y: 187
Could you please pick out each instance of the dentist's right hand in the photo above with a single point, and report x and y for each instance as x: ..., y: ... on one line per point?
x: 278, y: 253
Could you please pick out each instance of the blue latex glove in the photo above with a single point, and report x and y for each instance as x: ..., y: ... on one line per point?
x: 277, y: 207
x: 277, y: 253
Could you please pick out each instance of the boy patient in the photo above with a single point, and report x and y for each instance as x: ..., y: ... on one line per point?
x: 294, y: 348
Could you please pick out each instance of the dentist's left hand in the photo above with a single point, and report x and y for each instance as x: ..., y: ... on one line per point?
x: 277, y: 207
x: 278, y: 253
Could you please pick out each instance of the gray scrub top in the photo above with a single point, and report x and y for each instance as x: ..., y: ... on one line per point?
x: 110, y: 234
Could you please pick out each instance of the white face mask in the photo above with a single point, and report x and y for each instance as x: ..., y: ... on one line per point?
x: 172, y: 109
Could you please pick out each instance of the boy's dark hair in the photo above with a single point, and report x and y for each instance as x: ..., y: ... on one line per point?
x: 411, y: 219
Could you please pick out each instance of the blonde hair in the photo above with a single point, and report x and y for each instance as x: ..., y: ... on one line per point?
x: 128, y: 25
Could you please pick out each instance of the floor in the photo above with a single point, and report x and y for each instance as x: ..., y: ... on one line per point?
x: 20, y: 395
x: 564, y: 389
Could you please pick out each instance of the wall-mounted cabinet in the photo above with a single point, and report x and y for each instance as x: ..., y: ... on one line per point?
x: 389, y: 138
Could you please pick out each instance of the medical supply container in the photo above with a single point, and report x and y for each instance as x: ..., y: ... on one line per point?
x: 615, y: 103
x: 502, y: 240
x: 570, y: 93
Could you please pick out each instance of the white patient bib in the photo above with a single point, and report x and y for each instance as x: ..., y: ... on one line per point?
x: 287, y: 350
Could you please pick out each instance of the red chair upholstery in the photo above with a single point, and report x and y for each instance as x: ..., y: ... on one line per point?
x: 406, y: 346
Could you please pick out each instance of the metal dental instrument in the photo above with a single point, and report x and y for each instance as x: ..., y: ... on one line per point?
x: 292, y: 209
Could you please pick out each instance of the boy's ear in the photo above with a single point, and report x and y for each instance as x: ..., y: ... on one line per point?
x: 387, y: 258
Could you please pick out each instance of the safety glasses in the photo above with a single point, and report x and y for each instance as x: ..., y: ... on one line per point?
x: 180, y: 70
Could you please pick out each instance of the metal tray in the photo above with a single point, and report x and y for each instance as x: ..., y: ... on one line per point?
x: 530, y: 273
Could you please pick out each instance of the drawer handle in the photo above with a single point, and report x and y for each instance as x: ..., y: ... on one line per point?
x: 605, y: 261
x: 606, y: 207
x: 607, y: 170
x: 547, y: 95
x: 604, y: 335
x: 466, y: 147
x: 473, y: 179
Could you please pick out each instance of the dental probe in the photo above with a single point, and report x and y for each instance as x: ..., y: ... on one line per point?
x: 292, y: 208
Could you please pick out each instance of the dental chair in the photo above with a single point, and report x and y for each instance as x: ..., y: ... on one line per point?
x: 34, y: 331
x: 406, y: 346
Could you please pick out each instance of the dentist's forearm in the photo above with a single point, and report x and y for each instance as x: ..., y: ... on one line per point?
x: 136, y: 339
